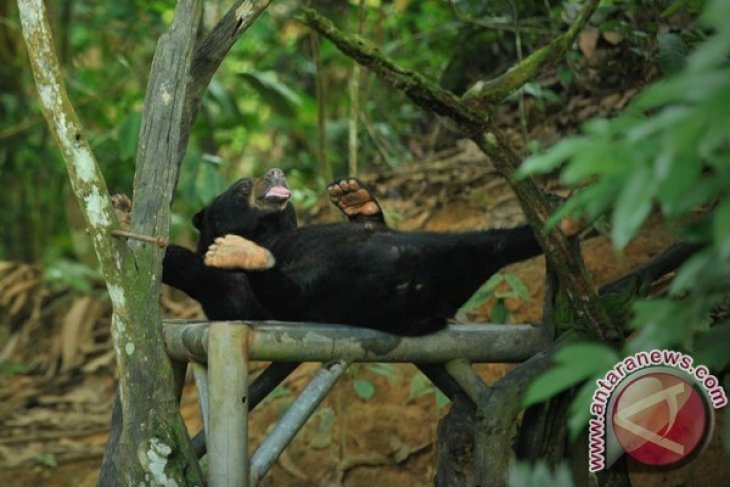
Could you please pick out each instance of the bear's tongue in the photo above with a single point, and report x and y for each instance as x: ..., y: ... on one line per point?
x: 278, y: 192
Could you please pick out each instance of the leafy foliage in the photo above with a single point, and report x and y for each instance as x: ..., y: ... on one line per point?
x: 422, y: 386
x: 574, y: 363
x: 500, y: 313
x: 527, y: 475
x: 670, y: 151
x: 68, y: 274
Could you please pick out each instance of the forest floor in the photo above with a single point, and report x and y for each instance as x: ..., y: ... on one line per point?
x: 57, y: 363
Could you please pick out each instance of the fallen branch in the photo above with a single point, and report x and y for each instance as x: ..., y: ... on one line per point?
x: 640, y: 279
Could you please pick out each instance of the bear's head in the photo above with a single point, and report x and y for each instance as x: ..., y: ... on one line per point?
x: 252, y: 208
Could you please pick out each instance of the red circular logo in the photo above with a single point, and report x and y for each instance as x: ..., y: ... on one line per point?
x: 659, y: 418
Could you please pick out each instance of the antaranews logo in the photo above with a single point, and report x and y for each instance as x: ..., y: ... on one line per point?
x: 656, y: 407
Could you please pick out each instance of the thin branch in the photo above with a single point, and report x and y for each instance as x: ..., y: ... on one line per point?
x: 159, y: 241
x: 664, y: 263
x: 484, y: 95
x: 502, y: 23
x: 520, y: 57
x: 325, y: 168
x: 354, y: 88
x: 418, y: 88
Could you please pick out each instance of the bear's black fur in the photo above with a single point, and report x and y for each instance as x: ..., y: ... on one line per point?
x: 405, y: 283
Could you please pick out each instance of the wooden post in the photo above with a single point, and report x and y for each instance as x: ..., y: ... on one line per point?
x: 228, y: 416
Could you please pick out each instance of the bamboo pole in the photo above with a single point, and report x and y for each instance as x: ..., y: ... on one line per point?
x: 294, y: 418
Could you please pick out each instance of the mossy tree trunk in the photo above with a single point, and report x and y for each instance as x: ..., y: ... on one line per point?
x: 149, y: 442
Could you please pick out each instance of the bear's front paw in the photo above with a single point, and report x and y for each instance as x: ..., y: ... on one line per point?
x: 122, y: 208
x: 235, y: 252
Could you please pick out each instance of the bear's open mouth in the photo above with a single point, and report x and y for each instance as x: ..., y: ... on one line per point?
x: 277, y: 194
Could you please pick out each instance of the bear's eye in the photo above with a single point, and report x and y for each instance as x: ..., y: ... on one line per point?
x: 244, y: 187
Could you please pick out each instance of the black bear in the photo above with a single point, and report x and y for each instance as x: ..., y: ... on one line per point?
x: 252, y: 262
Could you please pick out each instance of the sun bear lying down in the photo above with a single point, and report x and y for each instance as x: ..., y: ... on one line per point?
x: 253, y: 262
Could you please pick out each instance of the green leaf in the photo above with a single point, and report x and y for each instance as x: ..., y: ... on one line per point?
x: 128, y: 134
x: 441, y: 398
x: 711, y: 348
x: 364, y: 389
x: 710, y: 53
x: 691, y: 6
x: 525, y: 474
x: 276, y: 94
x: 690, y: 271
x: 579, y: 412
x: 632, y: 207
x: 499, y: 313
x: 550, y: 159
x: 518, y: 286
x: 494, y: 281
x: 594, y: 356
x: 574, y: 363
x: 209, y: 182
x: 65, y: 273
x: 386, y: 370
x: 605, y: 157
x: 696, y: 195
x: 420, y: 386
x: 664, y: 323
x: 721, y: 228
x: 672, y: 53
x: 13, y: 368
x: 47, y: 460
x: 482, y: 294
x: 686, y: 87
x: 321, y: 436
x: 224, y: 101
x: 667, y: 120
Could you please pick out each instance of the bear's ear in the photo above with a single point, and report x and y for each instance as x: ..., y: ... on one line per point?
x: 198, y: 219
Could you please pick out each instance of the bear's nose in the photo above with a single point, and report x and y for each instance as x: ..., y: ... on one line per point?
x: 276, y: 173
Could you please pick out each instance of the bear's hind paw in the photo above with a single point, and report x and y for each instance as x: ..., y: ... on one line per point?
x: 356, y: 201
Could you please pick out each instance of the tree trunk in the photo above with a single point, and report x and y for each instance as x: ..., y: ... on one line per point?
x: 153, y: 443
x: 148, y: 442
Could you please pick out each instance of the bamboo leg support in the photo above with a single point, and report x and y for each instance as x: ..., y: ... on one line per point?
x: 228, y: 408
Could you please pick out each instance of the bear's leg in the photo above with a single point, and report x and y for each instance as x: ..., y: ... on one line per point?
x: 235, y: 252
x: 357, y: 202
